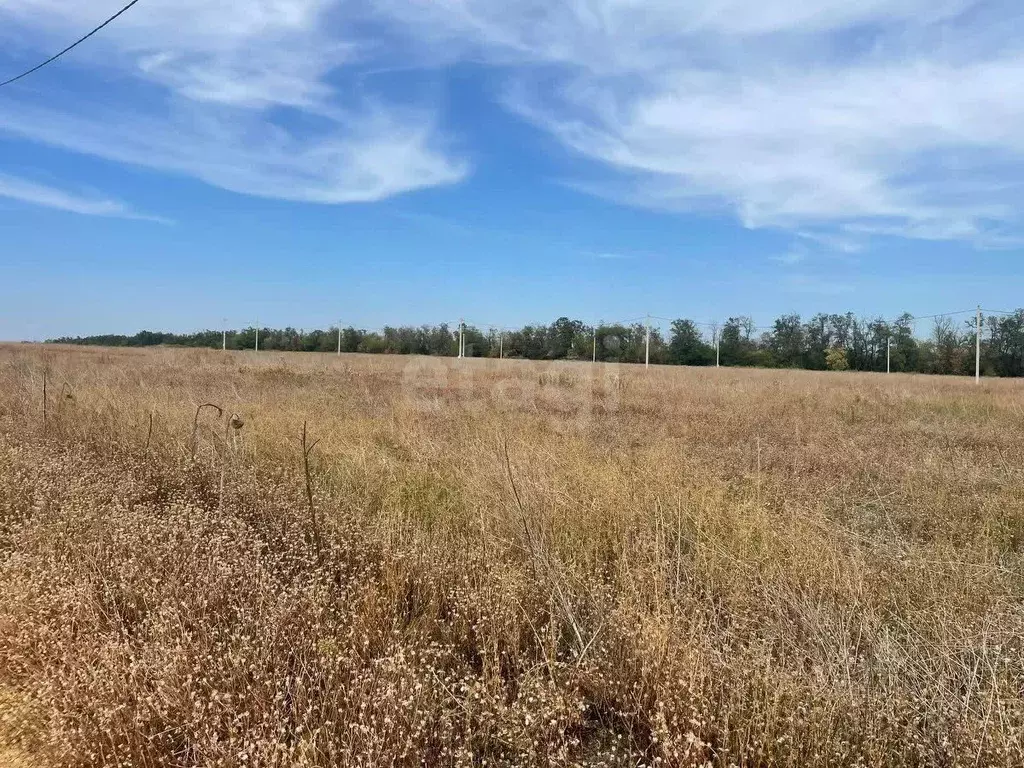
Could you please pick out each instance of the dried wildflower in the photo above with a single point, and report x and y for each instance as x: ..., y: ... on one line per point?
x: 719, y: 570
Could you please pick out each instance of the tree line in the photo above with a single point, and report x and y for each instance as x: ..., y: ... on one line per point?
x: 825, y: 342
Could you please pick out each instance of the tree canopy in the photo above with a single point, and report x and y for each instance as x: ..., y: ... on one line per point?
x: 826, y: 341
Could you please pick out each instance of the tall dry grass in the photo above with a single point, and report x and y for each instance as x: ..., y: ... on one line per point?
x: 505, y: 563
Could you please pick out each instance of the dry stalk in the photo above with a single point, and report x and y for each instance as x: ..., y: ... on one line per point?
x: 541, y: 558
x: 876, y: 622
x: 307, y: 449
x: 65, y: 394
x: 46, y: 371
x: 195, y: 423
x: 232, y: 427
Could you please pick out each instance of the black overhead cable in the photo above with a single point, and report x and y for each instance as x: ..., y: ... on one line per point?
x: 941, y: 314
x: 73, y: 45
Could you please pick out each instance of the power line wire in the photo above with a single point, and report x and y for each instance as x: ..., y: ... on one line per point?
x: 73, y: 45
x: 941, y: 314
x: 454, y: 324
x: 624, y: 322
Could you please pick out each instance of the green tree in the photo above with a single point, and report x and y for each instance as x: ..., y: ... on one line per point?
x: 818, y: 335
x: 835, y: 359
x: 735, y: 343
x: 905, y: 353
x: 561, y: 338
x: 686, y: 345
x: 1005, y: 346
x: 950, y: 347
x: 786, y: 341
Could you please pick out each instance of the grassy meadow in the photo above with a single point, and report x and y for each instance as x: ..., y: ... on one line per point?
x: 504, y: 563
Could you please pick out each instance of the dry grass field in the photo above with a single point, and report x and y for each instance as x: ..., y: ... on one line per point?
x: 505, y: 563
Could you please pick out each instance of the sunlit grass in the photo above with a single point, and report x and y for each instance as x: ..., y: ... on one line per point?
x: 511, y: 562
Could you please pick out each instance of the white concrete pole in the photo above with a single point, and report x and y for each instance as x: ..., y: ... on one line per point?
x: 647, y: 354
x: 977, y: 349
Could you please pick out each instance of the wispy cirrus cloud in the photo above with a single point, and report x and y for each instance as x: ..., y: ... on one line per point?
x: 847, y: 243
x: 33, y: 193
x: 883, y: 117
x: 791, y: 257
x: 237, y: 94
x: 378, y: 157
x: 610, y: 255
x: 845, y: 120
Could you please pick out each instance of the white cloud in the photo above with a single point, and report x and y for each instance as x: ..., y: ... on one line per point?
x: 836, y: 120
x: 235, y: 93
x: 377, y: 158
x: 845, y: 243
x: 608, y: 255
x: 25, y: 191
x: 790, y: 257
x: 802, y: 149
x: 841, y: 117
x: 650, y: 36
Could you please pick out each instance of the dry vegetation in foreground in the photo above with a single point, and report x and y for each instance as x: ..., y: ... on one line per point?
x: 485, y: 563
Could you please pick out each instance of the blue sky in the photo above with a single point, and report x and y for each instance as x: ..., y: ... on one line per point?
x: 414, y: 161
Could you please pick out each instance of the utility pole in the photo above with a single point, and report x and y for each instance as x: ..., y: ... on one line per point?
x: 888, y: 352
x: 257, y: 334
x: 718, y: 350
x: 462, y: 338
x: 647, y: 343
x: 977, y: 349
x: 339, y: 338
x: 595, y: 345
